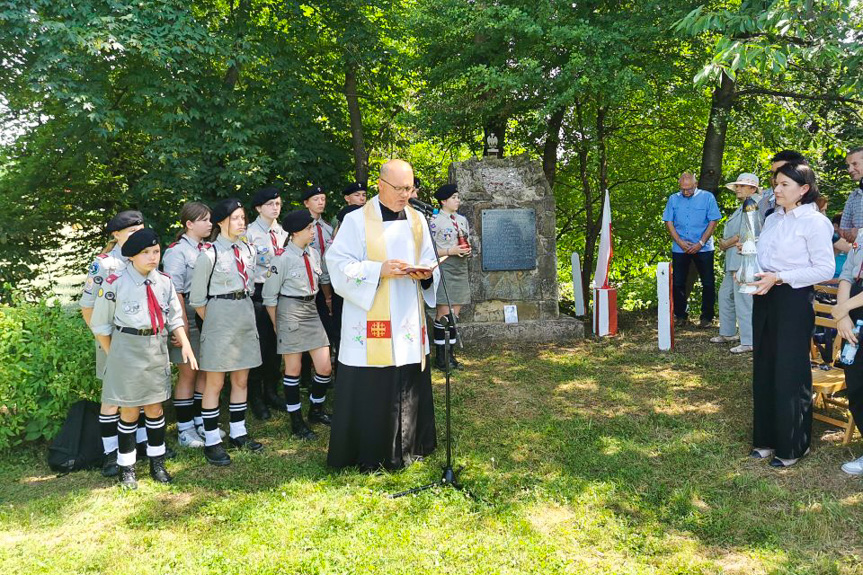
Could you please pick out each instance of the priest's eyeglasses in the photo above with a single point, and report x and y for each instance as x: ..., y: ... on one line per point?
x: 399, y: 189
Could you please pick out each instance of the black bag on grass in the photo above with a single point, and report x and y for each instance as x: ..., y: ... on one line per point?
x: 79, y: 443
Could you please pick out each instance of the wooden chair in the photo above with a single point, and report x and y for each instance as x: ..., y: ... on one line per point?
x: 826, y: 383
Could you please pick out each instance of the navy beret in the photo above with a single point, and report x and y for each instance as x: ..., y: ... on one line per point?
x: 139, y: 241
x: 446, y: 191
x: 124, y: 220
x: 311, y: 191
x: 297, y: 221
x: 355, y: 187
x: 224, y: 209
x: 345, y: 211
x: 263, y: 196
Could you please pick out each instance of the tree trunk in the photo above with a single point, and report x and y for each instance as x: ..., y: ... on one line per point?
x: 714, y: 140
x: 552, y: 142
x: 361, y: 158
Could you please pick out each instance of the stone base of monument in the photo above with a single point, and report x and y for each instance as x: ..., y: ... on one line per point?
x: 561, y: 330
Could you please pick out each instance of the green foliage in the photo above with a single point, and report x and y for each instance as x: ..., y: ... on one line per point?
x: 48, y: 365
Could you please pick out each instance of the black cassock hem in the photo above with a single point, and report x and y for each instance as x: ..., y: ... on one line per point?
x: 383, y: 417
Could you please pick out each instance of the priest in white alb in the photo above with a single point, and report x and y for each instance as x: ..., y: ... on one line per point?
x: 383, y: 415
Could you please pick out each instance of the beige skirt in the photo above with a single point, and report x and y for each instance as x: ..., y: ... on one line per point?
x: 299, y: 326
x: 137, y: 371
x: 454, y: 270
x: 229, y: 337
x: 176, y: 353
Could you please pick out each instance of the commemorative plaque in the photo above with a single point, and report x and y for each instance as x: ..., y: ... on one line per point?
x: 508, y: 239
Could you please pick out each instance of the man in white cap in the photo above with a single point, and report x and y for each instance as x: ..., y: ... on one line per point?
x: 735, y: 308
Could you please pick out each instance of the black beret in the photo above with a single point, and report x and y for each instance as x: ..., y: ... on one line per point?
x: 224, y: 209
x: 345, y: 211
x: 355, y: 187
x: 297, y: 221
x: 263, y: 196
x: 139, y: 241
x: 446, y: 191
x: 124, y: 220
x: 417, y: 183
x: 311, y: 191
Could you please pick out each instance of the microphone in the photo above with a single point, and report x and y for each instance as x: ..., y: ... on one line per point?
x: 423, y: 207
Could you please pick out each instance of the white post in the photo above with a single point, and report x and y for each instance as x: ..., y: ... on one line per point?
x: 577, y: 292
x: 665, y: 315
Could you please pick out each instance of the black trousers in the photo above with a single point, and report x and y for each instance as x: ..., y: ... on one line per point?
x: 680, y: 270
x: 270, y: 370
x: 782, y: 325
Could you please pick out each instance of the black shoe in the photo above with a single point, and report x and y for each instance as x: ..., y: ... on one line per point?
x: 109, y: 464
x: 216, y: 455
x: 245, y: 442
x: 453, y: 362
x: 681, y: 321
x: 702, y: 323
x: 272, y: 399
x: 158, y: 471
x: 439, y: 359
x: 260, y: 409
x: 127, y: 477
x: 299, y: 428
x: 169, y: 453
x: 318, y: 415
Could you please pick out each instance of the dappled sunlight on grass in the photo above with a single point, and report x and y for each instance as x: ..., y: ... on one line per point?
x: 594, y: 457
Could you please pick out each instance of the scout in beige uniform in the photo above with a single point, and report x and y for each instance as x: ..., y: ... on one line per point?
x: 220, y: 294
x: 451, y: 233
x: 179, y: 263
x: 289, y: 294
x: 315, y: 200
x: 110, y: 262
x: 268, y: 238
x: 134, y: 312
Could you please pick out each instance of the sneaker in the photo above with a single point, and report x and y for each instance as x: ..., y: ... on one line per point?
x: 200, y: 430
x: 741, y: 349
x: 724, y: 338
x: 854, y: 467
x: 190, y: 438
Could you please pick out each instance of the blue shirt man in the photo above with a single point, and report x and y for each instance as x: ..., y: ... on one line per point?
x: 690, y: 217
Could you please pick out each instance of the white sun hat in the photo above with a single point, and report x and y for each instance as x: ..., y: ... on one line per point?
x: 745, y: 179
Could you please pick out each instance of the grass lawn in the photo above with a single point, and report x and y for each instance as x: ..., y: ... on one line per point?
x: 597, y: 457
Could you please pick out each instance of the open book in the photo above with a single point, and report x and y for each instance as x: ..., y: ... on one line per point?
x: 424, y: 267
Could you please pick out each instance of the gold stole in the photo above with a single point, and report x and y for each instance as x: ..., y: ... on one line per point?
x: 379, y: 329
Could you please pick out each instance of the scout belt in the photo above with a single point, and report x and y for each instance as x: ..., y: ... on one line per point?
x: 133, y: 331
x: 232, y: 295
x: 299, y: 297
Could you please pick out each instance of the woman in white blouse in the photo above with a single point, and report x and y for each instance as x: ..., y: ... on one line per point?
x: 795, y: 252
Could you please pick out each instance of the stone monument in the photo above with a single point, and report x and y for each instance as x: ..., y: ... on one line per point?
x: 511, y: 211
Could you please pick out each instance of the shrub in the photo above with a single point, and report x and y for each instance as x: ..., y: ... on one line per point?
x: 47, y: 362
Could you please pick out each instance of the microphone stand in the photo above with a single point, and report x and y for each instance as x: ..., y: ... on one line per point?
x: 450, y: 475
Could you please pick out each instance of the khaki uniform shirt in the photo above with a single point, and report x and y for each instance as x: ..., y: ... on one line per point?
x: 218, y: 258
x: 446, y: 230
x: 288, y: 274
x: 122, y: 302
x: 179, y: 262
x: 258, y: 235
x: 103, y: 266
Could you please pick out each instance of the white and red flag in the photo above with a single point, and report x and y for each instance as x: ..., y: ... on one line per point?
x: 604, y: 296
